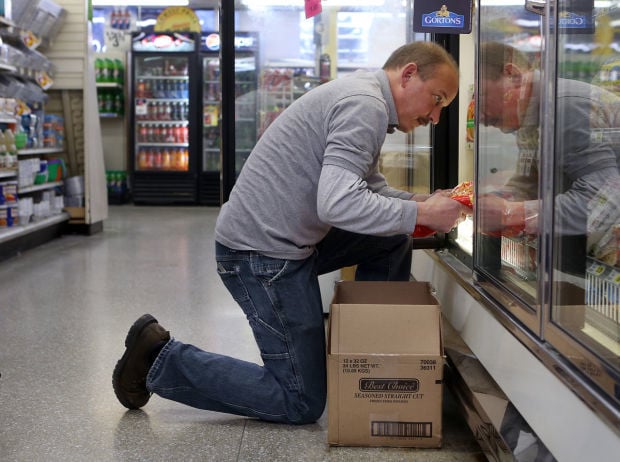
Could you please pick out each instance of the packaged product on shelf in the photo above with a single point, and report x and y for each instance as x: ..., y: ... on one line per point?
x: 28, y: 169
x: 8, y: 217
x: 4, y: 159
x: 8, y: 193
x: 30, y: 126
x: 53, y: 131
x: 25, y: 210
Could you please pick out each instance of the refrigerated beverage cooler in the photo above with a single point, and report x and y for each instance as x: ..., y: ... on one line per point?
x: 164, y: 139
x: 246, y: 114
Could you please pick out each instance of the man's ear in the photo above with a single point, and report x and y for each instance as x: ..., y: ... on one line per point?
x: 513, y: 74
x: 408, y: 72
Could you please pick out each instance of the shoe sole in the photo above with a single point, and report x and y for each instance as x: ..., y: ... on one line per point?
x: 132, y: 336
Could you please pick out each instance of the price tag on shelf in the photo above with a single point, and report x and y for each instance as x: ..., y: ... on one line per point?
x: 118, y: 40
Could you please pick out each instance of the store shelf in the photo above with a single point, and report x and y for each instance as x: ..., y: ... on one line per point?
x: 7, y: 234
x: 8, y: 173
x: 109, y: 115
x: 147, y: 122
x: 109, y: 85
x: 5, y: 119
x: 38, y: 151
x: 39, y: 187
x: 163, y: 145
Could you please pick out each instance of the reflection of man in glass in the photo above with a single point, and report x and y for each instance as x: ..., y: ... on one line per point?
x: 587, y: 153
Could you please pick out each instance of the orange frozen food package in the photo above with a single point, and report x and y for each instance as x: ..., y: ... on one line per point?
x: 463, y: 193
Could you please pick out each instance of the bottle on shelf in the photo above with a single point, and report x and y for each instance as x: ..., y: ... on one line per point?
x: 4, y: 159
x: 99, y: 70
x: 118, y: 103
x: 10, y: 160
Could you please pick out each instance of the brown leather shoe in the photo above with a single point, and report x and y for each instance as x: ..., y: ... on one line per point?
x: 129, y: 377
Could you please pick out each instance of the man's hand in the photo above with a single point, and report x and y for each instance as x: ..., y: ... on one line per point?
x: 496, y: 214
x: 441, y: 213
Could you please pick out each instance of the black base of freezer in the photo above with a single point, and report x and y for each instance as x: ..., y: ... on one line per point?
x: 164, y: 188
x: 209, y: 188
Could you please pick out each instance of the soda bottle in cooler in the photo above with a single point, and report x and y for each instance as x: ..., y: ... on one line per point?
x: 178, y: 159
x: 140, y: 88
x: 185, y: 154
x: 152, y: 111
x: 142, y: 159
x: 185, y: 89
x: 157, y: 133
x: 147, y: 89
x: 178, y: 133
x: 150, y: 158
x: 150, y: 134
x: 163, y: 134
x: 143, y: 134
x: 179, y: 111
x: 158, y: 158
x: 166, y: 162
x: 178, y: 89
x: 185, y: 134
x: 170, y: 137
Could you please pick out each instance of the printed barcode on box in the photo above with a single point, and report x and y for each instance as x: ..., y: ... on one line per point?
x: 402, y: 429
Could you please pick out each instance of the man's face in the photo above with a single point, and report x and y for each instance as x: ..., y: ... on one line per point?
x: 499, y: 104
x: 421, y: 101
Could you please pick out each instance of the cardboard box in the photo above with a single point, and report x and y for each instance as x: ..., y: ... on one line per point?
x: 385, y: 365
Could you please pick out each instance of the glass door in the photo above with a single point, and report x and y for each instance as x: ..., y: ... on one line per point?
x: 506, y: 254
x: 585, y: 317
x: 161, y: 104
x: 547, y: 229
x: 211, y: 106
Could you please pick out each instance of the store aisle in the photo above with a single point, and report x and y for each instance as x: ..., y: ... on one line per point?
x: 65, y: 308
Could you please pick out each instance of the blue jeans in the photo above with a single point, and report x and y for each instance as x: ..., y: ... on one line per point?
x: 282, y: 302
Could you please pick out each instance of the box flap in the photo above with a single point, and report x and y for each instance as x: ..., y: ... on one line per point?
x: 385, y: 318
x: 387, y: 329
x: 384, y: 293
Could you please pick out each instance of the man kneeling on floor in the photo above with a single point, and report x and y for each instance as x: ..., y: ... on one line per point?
x: 309, y: 200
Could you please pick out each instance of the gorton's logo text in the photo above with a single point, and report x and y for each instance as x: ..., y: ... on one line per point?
x: 570, y: 20
x: 397, y: 385
x: 443, y: 18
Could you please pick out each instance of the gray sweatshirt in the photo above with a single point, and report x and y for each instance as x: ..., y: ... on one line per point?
x: 316, y: 166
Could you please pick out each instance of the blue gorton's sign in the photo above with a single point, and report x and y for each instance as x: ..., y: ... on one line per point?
x: 442, y: 16
x: 576, y: 22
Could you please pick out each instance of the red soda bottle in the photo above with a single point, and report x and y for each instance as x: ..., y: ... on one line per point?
x: 158, y: 159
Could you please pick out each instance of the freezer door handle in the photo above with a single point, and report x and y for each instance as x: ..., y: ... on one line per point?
x: 536, y: 6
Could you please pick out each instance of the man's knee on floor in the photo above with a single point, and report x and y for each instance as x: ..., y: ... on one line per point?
x: 308, y: 412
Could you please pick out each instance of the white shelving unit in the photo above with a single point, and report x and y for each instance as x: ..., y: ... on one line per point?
x: 73, y: 95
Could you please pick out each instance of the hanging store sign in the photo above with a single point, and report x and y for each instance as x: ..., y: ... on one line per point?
x: 442, y: 16
x: 177, y: 18
x: 312, y: 7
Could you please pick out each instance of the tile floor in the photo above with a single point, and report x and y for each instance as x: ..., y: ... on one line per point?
x: 65, y: 308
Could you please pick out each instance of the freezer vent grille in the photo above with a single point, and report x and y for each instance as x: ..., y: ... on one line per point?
x: 164, y: 189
